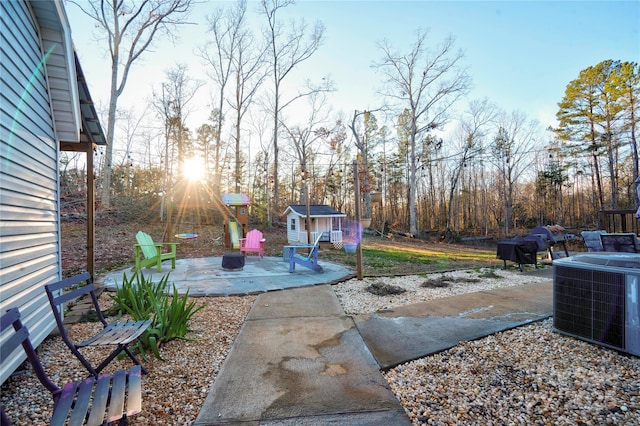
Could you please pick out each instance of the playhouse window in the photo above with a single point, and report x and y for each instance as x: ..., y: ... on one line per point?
x: 293, y: 224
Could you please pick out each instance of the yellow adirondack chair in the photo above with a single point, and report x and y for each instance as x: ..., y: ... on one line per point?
x: 149, y: 253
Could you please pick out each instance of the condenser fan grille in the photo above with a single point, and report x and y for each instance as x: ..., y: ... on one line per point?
x: 590, y: 304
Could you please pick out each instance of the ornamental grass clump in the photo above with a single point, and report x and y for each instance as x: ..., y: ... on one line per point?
x: 141, y: 298
x: 382, y: 289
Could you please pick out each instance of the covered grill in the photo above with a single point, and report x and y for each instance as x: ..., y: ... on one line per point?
x: 549, y: 236
x: 523, y: 250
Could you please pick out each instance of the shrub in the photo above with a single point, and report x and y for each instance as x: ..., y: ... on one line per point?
x: 143, y: 299
x: 136, y: 295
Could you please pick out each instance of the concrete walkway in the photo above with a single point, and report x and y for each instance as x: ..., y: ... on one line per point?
x: 409, y: 332
x: 299, y: 360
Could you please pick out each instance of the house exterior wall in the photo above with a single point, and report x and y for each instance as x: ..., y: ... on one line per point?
x: 29, y: 214
x: 293, y: 228
x: 318, y: 225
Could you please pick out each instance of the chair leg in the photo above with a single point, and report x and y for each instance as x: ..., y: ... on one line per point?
x: 115, y: 353
x: 134, y: 359
x: 92, y: 371
x: 107, y: 360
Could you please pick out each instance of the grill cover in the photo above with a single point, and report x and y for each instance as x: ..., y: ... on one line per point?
x: 552, y: 234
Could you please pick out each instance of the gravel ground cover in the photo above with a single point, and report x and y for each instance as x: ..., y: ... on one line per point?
x: 528, y: 375
x: 173, y: 391
x: 356, y: 298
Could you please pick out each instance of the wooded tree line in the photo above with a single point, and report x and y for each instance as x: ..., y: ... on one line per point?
x: 438, y: 165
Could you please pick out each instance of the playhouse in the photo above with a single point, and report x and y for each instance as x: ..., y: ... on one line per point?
x: 236, y: 221
x: 325, y: 222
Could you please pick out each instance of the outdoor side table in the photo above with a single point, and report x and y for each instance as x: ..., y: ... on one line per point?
x: 233, y: 262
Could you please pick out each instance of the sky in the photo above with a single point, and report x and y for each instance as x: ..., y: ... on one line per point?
x: 520, y: 54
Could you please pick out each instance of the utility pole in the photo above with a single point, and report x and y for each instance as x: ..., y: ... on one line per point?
x: 356, y: 190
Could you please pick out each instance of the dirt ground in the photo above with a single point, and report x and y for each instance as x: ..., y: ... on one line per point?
x: 115, y: 240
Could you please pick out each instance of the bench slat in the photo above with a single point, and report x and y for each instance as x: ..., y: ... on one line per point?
x: 69, y: 281
x: 73, y: 294
x: 81, y: 406
x: 134, y: 394
x: 118, y: 390
x: 12, y: 343
x: 100, y: 398
x: 62, y: 408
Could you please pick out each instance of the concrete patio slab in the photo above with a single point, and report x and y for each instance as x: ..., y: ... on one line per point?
x: 205, y: 276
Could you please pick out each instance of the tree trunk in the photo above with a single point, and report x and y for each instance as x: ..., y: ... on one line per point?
x: 275, y: 213
x: 413, y: 214
x: 111, y: 126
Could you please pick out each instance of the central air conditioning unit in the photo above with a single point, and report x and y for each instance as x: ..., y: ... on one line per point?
x: 595, y: 298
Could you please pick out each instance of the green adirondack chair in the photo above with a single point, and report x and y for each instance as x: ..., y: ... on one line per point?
x: 149, y: 253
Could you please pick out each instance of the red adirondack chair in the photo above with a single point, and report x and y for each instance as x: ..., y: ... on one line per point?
x: 253, y: 243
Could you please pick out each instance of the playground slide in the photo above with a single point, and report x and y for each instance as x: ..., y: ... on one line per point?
x: 234, y: 234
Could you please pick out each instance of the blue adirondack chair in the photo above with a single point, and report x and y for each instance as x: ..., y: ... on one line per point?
x: 308, y: 261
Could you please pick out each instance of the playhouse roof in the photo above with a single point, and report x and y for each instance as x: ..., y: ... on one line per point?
x: 236, y: 199
x: 315, y: 210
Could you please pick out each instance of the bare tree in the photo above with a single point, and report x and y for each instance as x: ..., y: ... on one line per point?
x: 426, y: 82
x: 249, y: 72
x: 172, y: 105
x: 287, y: 51
x: 364, y: 142
x: 330, y: 187
x: 469, y: 135
x: 131, y: 129
x: 129, y: 28
x: 511, y: 149
x: 304, y: 137
x: 231, y: 54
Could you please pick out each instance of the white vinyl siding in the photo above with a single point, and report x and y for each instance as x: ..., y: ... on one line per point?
x: 29, y: 226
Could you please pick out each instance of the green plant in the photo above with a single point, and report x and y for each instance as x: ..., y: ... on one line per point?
x: 172, y: 317
x: 143, y: 299
x: 135, y: 296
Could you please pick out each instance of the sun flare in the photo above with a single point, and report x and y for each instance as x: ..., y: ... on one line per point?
x: 193, y: 169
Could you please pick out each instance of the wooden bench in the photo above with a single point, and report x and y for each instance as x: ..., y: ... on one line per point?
x: 118, y: 334
x: 109, y: 398
x: 149, y: 253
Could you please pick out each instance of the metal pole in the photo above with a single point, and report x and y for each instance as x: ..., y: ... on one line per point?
x: 356, y: 189
x: 91, y: 205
